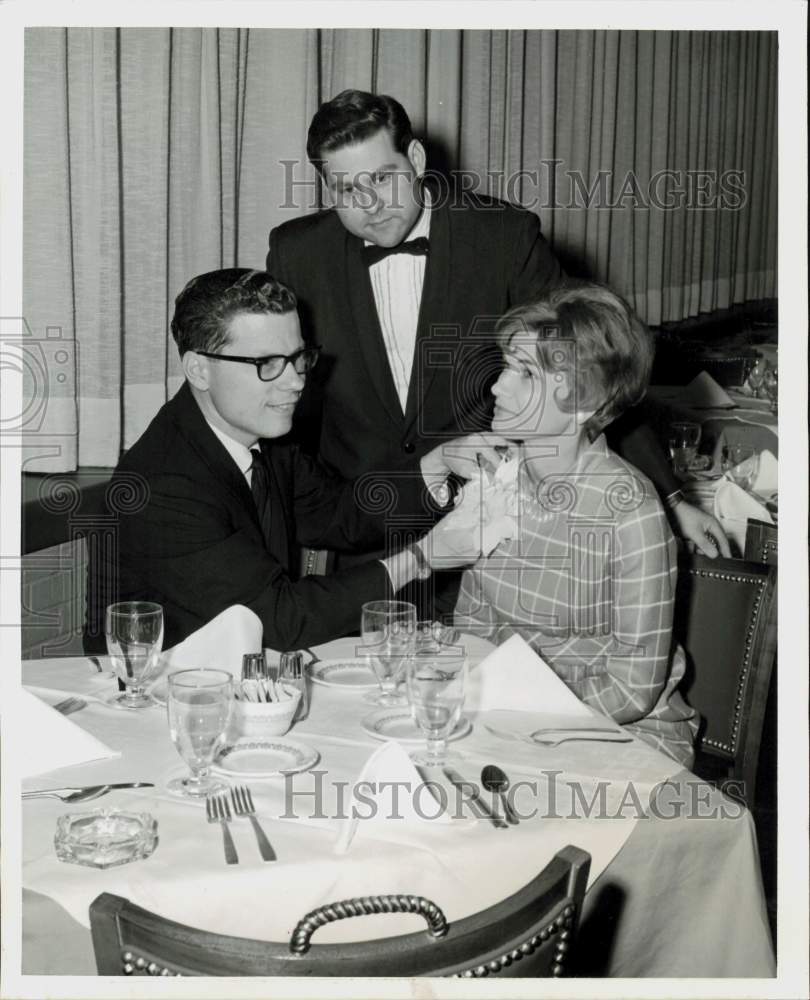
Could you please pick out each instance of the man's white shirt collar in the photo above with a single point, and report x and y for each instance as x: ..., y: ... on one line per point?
x: 238, y: 452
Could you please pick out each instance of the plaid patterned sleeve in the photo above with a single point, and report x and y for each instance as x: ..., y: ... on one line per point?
x: 622, y: 618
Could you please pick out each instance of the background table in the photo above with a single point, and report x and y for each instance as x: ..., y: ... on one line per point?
x: 682, y: 897
x: 749, y: 422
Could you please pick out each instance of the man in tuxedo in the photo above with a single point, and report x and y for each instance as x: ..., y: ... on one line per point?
x: 401, y: 282
x: 227, y: 497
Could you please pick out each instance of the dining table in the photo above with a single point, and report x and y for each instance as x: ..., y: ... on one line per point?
x: 675, y: 887
x: 748, y: 420
x: 743, y: 419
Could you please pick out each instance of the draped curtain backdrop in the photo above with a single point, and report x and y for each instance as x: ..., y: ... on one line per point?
x: 152, y: 155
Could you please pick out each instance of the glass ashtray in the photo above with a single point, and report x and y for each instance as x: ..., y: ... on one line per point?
x: 105, y: 838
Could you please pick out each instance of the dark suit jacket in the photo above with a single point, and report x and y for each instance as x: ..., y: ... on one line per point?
x: 485, y: 257
x: 196, y: 546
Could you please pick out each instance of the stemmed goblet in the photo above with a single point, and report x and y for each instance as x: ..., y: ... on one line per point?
x: 740, y: 463
x: 389, y: 639
x: 134, y: 634
x: 199, y: 708
x: 770, y: 387
x: 436, y: 679
x: 684, y: 438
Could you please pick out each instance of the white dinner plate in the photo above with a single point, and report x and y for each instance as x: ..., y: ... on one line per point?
x: 269, y: 758
x: 355, y: 674
x: 397, y: 724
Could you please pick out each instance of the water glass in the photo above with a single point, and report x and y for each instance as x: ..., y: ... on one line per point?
x: 436, y: 677
x: 199, y: 708
x: 684, y: 438
x: 389, y: 639
x: 740, y: 463
x: 134, y: 634
x: 756, y: 375
x: 770, y: 387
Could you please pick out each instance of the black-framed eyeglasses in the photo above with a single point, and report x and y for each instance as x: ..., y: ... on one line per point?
x: 271, y: 366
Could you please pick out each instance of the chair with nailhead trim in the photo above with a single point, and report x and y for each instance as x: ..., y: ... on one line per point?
x: 725, y: 619
x: 761, y: 542
x: 529, y: 934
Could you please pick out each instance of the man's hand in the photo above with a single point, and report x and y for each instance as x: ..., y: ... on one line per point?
x: 703, y: 530
x: 456, y: 539
x: 462, y: 456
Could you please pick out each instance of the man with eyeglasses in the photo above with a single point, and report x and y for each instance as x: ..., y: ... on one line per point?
x: 229, y: 496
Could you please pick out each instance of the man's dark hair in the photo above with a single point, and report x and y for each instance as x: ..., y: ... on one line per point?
x: 351, y: 117
x: 205, y: 307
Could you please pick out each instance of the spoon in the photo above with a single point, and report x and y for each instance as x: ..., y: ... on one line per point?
x: 495, y: 780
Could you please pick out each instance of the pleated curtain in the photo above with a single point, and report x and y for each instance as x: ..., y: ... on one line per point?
x: 155, y: 154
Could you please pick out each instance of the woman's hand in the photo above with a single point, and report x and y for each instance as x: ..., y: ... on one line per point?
x: 701, y: 529
x: 462, y: 456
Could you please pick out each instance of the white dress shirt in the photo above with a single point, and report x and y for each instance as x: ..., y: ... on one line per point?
x: 397, y: 283
x: 238, y: 452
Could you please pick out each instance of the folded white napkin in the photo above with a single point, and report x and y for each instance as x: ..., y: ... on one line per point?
x: 733, y: 506
x: 767, y: 480
x: 704, y: 392
x: 50, y: 740
x: 220, y: 644
x: 389, y: 765
x: 515, y: 677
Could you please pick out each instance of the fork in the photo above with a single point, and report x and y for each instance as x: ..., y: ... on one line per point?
x: 218, y: 811
x: 69, y: 705
x: 243, y: 806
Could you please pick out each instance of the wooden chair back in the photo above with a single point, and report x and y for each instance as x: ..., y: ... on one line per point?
x: 529, y: 934
x: 725, y: 619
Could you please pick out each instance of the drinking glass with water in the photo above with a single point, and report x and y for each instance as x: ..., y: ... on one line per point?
x: 389, y: 637
x: 684, y: 438
x: 134, y: 634
x: 436, y: 679
x: 199, y: 708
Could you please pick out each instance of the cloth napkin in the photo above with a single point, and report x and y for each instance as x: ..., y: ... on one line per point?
x: 704, y: 393
x: 515, y: 677
x: 733, y: 506
x: 49, y: 740
x: 220, y: 644
x: 767, y: 480
x: 388, y: 764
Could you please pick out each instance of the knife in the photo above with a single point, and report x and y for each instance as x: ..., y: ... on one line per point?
x: 477, y: 804
x: 85, y: 788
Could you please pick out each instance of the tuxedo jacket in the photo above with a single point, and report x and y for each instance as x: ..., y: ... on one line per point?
x: 189, y: 535
x: 485, y: 256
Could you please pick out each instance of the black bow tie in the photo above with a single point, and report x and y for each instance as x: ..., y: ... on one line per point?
x: 418, y: 248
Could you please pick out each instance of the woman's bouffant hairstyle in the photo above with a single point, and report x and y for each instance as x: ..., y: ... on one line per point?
x: 205, y: 307
x: 609, y: 368
x: 351, y: 117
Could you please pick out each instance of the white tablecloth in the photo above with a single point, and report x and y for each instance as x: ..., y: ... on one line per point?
x: 669, y: 891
